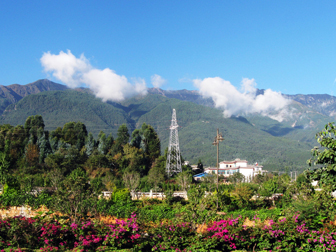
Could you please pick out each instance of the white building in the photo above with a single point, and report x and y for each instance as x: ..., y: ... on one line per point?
x: 227, y: 168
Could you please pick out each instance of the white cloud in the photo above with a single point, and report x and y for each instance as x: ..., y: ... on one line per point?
x: 157, y: 81
x: 235, y: 102
x: 106, y: 84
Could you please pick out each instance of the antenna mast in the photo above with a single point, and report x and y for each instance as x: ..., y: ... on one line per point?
x: 173, y: 164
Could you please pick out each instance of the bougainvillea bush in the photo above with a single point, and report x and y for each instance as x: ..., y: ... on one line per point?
x: 230, y: 234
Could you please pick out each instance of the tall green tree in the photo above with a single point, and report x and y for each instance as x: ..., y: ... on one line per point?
x: 4, y: 168
x: 90, y: 144
x: 82, y: 133
x: 32, y: 125
x: 122, y: 139
x: 150, y: 143
x: 34, y: 122
x: 147, y: 139
x: 122, y: 135
x: 102, y: 148
x: 136, y: 138
x: 109, y: 142
x: 74, y: 133
x: 44, y: 147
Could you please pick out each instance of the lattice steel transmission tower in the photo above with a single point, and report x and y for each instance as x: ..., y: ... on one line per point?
x: 173, y: 164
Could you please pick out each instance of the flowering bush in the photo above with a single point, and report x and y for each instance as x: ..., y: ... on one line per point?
x: 226, y: 232
x: 171, y: 236
x: 286, y: 234
x: 123, y: 234
x: 18, y: 232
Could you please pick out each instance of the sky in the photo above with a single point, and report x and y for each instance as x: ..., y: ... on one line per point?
x: 284, y: 46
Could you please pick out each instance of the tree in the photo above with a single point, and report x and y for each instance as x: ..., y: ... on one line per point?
x: 277, y: 184
x: 54, y: 138
x: 121, y: 140
x: 90, y: 144
x: 32, y: 125
x: 156, y: 176
x: 108, y: 183
x: 237, y: 177
x: 102, y: 143
x: 55, y: 176
x: 184, y: 179
x: 109, y: 142
x: 200, y: 165
x: 242, y: 195
x: 4, y: 168
x: 136, y: 139
x: 65, y: 159
x: 325, y: 157
x: 82, y: 133
x: 32, y: 154
x: 150, y: 143
x: 44, y: 146
x: 131, y: 180
x: 34, y: 122
x: 122, y: 135
x: 210, y: 180
x: 75, y: 196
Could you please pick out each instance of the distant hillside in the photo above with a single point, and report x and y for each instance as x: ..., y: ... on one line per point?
x: 309, y: 113
x: 323, y: 103
x: 15, y: 92
x: 198, y: 126
x: 59, y: 107
x: 184, y: 95
x: 257, y: 138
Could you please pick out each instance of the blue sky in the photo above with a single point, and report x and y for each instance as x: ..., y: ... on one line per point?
x: 286, y: 46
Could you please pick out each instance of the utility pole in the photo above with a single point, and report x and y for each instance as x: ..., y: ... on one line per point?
x: 173, y: 164
x: 218, y: 139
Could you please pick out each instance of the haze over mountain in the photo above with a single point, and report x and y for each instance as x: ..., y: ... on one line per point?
x: 280, y: 139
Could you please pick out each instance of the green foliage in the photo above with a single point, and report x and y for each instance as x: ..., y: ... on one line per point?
x: 184, y: 180
x: 75, y: 196
x: 156, y: 177
x: 121, y: 195
x: 90, y: 144
x: 131, y: 180
x: 326, y: 175
x: 199, y: 208
x: 277, y: 184
x: 242, y: 195
x: 122, y: 136
x: 4, y: 168
x: 237, y: 177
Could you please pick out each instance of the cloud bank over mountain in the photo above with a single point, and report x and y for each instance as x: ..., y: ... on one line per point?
x: 241, y: 102
x: 106, y: 84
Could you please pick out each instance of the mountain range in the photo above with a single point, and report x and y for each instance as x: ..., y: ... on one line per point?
x: 277, y: 144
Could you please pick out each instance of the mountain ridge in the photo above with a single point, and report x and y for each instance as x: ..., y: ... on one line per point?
x: 254, y: 137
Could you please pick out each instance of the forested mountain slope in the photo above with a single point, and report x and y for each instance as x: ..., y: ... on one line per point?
x: 15, y: 92
x: 254, y: 137
x: 198, y: 126
x: 60, y: 107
